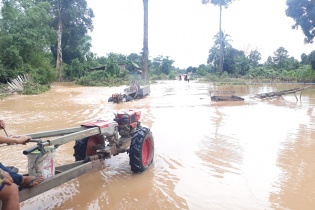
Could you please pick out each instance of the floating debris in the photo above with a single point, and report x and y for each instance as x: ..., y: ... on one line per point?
x: 281, y: 93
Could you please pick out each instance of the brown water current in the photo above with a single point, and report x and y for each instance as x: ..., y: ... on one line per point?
x: 255, y: 154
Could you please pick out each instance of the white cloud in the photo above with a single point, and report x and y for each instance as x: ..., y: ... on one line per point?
x: 183, y: 29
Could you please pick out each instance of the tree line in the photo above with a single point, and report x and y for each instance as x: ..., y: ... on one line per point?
x: 224, y: 58
x: 49, y: 40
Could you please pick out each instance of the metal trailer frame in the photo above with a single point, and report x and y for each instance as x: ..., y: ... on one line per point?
x: 142, y: 91
x: 62, y: 175
x: 66, y: 172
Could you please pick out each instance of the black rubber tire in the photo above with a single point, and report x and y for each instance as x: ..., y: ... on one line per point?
x: 110, y: 99
x: 80, y: 149
x: 141, y: 151
x: 129, y: 98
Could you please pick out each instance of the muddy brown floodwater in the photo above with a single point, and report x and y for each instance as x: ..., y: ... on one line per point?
x: 256, y: 154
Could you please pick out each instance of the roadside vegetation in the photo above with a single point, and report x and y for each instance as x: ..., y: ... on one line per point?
x: 48, y: 40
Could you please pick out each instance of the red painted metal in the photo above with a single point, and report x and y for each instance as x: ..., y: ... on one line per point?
x: 99, y: 123
x: 92, y: 141
x: 146, y: 151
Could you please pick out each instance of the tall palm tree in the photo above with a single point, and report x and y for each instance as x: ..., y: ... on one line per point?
x: 219, y: 3
x: 222, y: 45
x: 213, y: 57
x: 222, y: 39
x: 145, y: 53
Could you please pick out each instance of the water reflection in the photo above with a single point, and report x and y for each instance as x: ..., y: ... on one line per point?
x: 295, y: 188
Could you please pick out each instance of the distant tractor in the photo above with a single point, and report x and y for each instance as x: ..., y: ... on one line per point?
x: 130, y: 94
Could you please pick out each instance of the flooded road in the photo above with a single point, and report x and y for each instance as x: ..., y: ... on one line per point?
x: 255, y: 154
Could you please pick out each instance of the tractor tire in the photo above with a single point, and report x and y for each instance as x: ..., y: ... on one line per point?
x: 141, y: 151
x: 129, y: 98
x: 80, y: 149
x: 110, y: 99
x: 84, y: 147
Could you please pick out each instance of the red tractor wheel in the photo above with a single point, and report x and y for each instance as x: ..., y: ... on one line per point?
x: 92, y: 142
x: 84, y: 147
x: 141, y: 151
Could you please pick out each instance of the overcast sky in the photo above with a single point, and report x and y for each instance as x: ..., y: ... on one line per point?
x: 184, y: 29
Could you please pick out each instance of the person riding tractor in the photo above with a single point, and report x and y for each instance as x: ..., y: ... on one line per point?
x: 134, y: 91
x: 134, y: 87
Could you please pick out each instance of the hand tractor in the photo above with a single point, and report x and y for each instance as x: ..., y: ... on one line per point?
x: 94, y: 142
x: 129, y: 94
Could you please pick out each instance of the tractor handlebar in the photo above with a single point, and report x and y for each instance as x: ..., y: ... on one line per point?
x: 32, y: 149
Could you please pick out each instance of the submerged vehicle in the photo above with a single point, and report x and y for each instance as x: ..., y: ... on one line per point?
x: 227, y: 98
x: 223, y: 95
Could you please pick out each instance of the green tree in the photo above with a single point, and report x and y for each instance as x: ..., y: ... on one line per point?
x: 135, y: 58
x: 303, y: 13
x: 72, y: 20
x: 213, y: 57
x: 230, y: 60
x: 167, y: 65
x: 162, y: 65
x: 221, y: 40
x: 219, y: 3
x: 311, y: 59
x: 191, y: 69
x: 269, y: 63
x: 242, y: 65
x: 280, y: 57
x: 254, y: 58
x: 292, y: 64
x: 202, y: 70
x: 75, y: 70
x: 25, y: 37
x: 304, y: 59
x: 134, y: 62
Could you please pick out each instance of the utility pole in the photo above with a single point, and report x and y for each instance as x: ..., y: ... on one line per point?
x: 145, y: 53
x: 221, y: 44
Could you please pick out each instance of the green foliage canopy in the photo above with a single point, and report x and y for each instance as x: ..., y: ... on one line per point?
x: 303, y: 13
x: 77, y: 22
x: 25, y: 37
x: 218, y: 2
